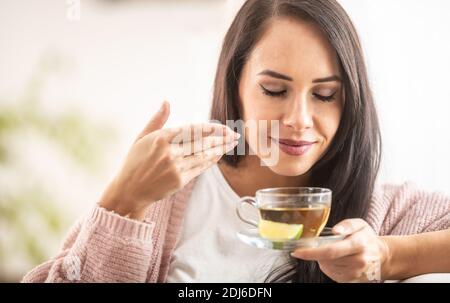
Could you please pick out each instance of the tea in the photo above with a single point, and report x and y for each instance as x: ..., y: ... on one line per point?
x: 310, y: 220
x: 289, y: 213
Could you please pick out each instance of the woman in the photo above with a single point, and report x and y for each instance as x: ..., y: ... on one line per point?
x: 169, y: 216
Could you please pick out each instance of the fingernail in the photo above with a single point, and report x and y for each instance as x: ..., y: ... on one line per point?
x: 236, y: 135
x: 293, y: 255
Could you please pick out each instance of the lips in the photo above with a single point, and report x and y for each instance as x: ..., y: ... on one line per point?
x: 293, y: 147
x: 294, y: 143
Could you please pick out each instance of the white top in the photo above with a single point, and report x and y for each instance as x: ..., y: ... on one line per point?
x: 209, y: 250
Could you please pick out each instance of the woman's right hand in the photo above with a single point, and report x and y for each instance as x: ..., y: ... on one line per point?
x: 162, y: 161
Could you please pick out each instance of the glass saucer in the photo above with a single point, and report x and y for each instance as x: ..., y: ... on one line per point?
x: 251, y: 236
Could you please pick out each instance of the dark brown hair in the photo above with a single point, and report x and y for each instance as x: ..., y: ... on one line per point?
x: 350, y: 165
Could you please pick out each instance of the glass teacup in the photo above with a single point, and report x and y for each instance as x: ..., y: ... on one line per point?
x: 289, y: 213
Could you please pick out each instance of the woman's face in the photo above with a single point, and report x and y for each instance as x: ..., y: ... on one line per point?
x: 292, y: 76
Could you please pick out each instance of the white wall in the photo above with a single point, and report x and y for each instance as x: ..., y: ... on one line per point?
x: 407, y: 43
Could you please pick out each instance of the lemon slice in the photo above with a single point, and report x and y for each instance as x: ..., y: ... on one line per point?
x: 280, y: 231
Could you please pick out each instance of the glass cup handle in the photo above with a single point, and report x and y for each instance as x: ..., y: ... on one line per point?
x: 242, y: 201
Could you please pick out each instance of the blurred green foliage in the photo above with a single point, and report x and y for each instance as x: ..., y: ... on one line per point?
x: 29, y: 214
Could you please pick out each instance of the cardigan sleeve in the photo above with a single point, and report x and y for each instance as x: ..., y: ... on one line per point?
x: 406, y: 209
x: 102, y: 246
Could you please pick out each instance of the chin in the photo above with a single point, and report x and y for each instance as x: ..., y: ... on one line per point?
x: 290, y: 168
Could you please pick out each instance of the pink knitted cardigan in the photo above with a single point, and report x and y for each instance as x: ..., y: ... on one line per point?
x: 105, y: 247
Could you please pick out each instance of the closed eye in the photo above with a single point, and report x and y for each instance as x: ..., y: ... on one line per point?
x: 273, y: 93
x: 325, y: 98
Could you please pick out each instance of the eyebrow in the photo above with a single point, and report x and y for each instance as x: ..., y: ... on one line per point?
x: 333, y: 78
x: 274, y: 74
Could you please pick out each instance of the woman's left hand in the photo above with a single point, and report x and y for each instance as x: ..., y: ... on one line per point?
x: 360, y: 257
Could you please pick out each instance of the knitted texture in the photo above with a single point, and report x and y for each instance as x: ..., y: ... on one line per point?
x: 106, y: 247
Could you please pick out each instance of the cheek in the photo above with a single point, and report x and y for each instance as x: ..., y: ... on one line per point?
x: 257, y: 115
x: 256, y: 107
x: 327, y: 120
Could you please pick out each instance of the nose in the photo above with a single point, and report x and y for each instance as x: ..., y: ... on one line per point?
x: 298, y: 114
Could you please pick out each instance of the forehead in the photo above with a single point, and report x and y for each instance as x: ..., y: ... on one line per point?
x: 297, y: 48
